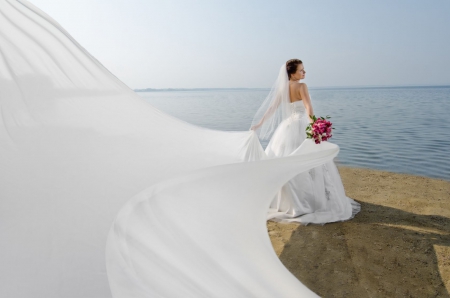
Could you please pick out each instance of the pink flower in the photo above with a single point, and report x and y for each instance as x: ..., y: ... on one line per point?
x: 320, y: 130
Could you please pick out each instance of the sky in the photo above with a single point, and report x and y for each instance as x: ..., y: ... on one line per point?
x: 243, y: 43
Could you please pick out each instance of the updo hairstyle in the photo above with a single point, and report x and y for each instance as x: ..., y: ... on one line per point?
x: 291, y: 66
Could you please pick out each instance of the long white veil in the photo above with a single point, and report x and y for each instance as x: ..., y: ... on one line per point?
x: 76, y: 144
x: 275, y: 107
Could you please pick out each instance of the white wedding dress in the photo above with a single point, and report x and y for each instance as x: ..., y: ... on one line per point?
x: 316, y: 196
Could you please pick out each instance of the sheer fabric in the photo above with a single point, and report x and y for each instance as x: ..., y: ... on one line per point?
x: 275, y: 107
x: 76, y: 144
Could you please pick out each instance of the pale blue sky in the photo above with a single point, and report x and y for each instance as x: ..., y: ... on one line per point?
x: 224, y: 44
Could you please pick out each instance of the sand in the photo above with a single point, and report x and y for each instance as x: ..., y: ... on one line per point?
x: 397, y: 246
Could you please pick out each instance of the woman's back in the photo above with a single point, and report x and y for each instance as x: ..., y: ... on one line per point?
x: 294, y: 91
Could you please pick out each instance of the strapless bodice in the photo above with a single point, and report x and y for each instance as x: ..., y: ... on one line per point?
x: 297, y: 108
x: 298, y: 105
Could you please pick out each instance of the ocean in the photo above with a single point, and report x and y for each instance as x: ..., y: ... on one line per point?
x: 396, y: 129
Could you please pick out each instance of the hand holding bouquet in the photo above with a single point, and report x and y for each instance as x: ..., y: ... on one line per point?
x: 319, y: 130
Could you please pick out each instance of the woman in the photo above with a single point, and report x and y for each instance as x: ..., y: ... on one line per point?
x: 316, y: 196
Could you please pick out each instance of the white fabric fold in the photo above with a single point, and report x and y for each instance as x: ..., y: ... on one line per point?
x: 76, y: 144
x: 204, y: 234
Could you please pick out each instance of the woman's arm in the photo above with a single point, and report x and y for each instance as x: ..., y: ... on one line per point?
x: 267, y: 114
x: 304, y: 95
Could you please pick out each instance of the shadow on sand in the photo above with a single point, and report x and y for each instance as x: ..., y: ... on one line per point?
x: 382, y: 252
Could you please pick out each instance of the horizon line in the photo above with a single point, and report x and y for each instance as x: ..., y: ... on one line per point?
x: 268, y: 88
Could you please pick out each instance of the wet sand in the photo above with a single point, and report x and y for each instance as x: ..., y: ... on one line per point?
x: 397, y: 246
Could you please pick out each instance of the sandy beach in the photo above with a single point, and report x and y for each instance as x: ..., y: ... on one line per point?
x: 397, y: 246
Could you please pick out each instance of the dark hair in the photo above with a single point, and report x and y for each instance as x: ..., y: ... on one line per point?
x: 291, y: 66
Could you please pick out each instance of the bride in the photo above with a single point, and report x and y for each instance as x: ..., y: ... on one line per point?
x: 316, y: 196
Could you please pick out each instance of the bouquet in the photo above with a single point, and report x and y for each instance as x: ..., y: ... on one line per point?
x: 320, y: 129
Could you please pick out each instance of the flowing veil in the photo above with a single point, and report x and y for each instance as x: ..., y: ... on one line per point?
x: 275, y: 108
x: 102, y: 195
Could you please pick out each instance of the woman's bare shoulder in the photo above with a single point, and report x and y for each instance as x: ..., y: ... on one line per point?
x: 302, y: 88
x: 299, y: 86
x: 296, y: 85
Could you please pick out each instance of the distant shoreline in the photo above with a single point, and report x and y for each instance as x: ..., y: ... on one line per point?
x: 265, y: 89
x: 197, y: 89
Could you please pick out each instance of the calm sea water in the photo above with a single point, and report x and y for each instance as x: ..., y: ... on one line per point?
x: 401, y: 129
